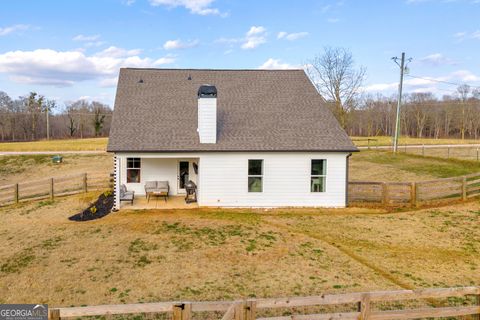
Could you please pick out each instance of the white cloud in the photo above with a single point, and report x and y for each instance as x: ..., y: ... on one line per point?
x: 201, y: 7
x: 254, y: 30
x: 254, y: 37
x: 178, y: 44
x: 427, y: 84
x: 168, y: 59
x: 115, y: 52
x: 85, y: 38
x: 64, y: 68
x: 436, y: 59
x: 276, y: 64
x: 291, y: 36
x: 467, y: 35
x: 464, y: 75
x: 12, y: 29
x: 333, y: 20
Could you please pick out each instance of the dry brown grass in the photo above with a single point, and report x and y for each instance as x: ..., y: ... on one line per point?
x: 203, y: 254
x: 57, y: 145
x: 24, y: 168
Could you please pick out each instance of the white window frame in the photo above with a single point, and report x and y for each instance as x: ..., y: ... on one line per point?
x: 133, y: 168
x: 324, y: 176
x: 255, y: 175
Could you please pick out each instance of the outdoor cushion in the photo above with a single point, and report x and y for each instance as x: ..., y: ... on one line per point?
x: 150, y: 184
x: 162, y: 184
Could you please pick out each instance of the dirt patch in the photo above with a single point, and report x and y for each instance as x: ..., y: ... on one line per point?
x: 99, y: 209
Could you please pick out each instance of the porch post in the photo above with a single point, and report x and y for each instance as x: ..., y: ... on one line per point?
x: 117, y: 182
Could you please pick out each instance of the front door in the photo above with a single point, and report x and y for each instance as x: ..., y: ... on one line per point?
x: 183, y: 175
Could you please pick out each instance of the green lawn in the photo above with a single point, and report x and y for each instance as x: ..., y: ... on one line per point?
x: 373, y: 165
x: 387, y: 141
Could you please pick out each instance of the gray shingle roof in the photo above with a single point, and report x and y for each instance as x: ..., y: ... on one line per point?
x: 257, y: 110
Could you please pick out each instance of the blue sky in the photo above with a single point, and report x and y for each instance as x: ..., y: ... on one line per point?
x: 68, y: 50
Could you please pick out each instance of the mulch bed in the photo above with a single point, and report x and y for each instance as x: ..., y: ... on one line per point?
x: 96, y: 210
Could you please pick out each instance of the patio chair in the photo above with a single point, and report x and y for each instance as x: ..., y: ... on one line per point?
x: 126, y: 195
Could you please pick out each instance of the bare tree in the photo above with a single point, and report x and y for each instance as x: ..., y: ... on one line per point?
x: 463, y: 92
x: 99, y: 111
x: 6, y: 104
x: 336, y: 77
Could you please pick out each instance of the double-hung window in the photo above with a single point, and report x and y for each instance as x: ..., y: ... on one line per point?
x: 318, y: 175
x: 133, y: 170
x: 255, y: 175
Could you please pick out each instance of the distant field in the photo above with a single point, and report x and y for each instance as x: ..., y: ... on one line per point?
x: 94, y: 144
x: 57, y: 145
x: 373, y: 165
x: 214, y: 254
x: 387, y: 141
x: 370, y: 165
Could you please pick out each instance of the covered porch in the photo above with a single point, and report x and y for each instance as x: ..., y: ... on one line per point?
x: 158, y: 181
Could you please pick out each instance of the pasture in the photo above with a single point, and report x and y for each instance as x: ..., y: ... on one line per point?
x: 209, y: 254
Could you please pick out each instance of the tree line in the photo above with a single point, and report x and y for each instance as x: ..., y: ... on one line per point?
x: 422, y: 114
x: 35, y: 117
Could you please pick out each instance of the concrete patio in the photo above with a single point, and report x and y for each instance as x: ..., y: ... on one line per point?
x: 173, y: 202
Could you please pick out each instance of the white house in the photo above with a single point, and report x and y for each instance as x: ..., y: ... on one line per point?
x: 246, y: 138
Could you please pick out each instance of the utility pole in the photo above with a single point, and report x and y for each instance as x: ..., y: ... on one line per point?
x: 48, y: 120
x: 403, y: 67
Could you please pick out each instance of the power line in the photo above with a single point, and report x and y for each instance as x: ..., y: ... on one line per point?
x: 442, y: 81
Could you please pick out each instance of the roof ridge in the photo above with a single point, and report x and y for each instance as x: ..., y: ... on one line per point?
x: 208, y: 69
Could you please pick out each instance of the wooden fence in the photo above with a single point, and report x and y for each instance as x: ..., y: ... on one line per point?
x: 384, y: 193
x: 362, y: 305
x: 52, y: 187
x: 414, y: 193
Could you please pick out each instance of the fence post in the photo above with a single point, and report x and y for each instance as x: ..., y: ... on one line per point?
x: 477, y: 154
x: 250, y: 310
x: 384, y: 193
x: 364, y: 307
x: 54, y: 314
x: 85, y: 189
x: 182, y: 311
x: 240, y: 311
x: 15, y: 193
x: 464, y: 188
x: 413, y: 194
x: 448, y: 152
x: 423, y: 150
x: 477, y: 302
x: 51, y: 189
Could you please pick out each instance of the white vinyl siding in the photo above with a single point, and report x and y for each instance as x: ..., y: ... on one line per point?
x: 222, y: 178
x: 286, y: 180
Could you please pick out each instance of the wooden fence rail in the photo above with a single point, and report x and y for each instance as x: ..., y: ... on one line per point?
x: 384, y: 193
x: 414, y: 193
x: 52, y: 187
x: 363, y: 303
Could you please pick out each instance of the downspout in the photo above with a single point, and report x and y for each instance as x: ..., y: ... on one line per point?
x: 346, y: 178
